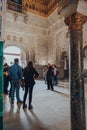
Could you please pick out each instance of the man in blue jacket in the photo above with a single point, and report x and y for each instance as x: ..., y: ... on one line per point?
x: 16, y: 77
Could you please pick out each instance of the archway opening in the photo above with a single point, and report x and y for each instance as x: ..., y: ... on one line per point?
x: 12, y: 52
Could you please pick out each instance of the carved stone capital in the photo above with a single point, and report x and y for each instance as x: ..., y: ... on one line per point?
x: 75, y: 21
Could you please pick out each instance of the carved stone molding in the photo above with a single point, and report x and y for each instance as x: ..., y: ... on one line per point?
x: 8, y: 37
x: 14, y: 38
x: 15, y: 16
x: 75, y: 21
x: 25, y: 19
x: 21, y: 39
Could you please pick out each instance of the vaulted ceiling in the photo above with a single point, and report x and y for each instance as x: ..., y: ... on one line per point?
x: 40, y: 7
x: 43, y: 2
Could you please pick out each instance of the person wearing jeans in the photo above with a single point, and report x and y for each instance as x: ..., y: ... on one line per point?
x: 16, y: 77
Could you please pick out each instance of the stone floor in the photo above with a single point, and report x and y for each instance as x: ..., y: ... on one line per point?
x: 51, y: 109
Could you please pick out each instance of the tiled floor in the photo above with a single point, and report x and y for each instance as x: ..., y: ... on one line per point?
x: 51, y: 110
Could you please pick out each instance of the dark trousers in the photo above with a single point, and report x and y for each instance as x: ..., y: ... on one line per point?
x: 6, y: 82
x: 28, y: 89
x: 49, y: 84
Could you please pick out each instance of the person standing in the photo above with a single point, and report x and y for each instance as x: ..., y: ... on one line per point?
x: 49, y: 78
x: 16, y: 77
x: 29, y: 74
x: 55, y: 75
x: 6, y: 77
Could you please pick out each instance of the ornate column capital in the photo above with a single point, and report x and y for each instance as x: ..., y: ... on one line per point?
x: 75, y: 21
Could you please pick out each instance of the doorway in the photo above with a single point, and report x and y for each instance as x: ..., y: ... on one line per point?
x: 12, y: 52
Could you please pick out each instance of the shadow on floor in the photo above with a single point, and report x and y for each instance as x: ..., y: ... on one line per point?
x: 61, y: 93
x: 36, y: 124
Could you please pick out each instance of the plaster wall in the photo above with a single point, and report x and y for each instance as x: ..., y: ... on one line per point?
x: 43, y: 39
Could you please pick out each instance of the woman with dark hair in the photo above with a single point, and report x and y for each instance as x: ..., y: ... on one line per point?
x: 6, y: 77
x: 29, y: 74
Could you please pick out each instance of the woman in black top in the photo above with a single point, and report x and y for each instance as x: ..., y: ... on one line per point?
x: 29, y: 74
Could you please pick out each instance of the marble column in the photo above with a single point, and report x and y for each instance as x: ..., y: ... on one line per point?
x: 1, y: 85
x: 77, y: 101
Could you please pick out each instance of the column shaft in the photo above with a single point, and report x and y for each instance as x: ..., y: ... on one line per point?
x: 77, y: 81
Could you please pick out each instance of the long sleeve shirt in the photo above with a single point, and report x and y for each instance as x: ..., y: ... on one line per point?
x: 15, y: 72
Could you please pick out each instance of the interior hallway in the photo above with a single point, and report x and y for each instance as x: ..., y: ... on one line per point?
x: 51, y: 110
